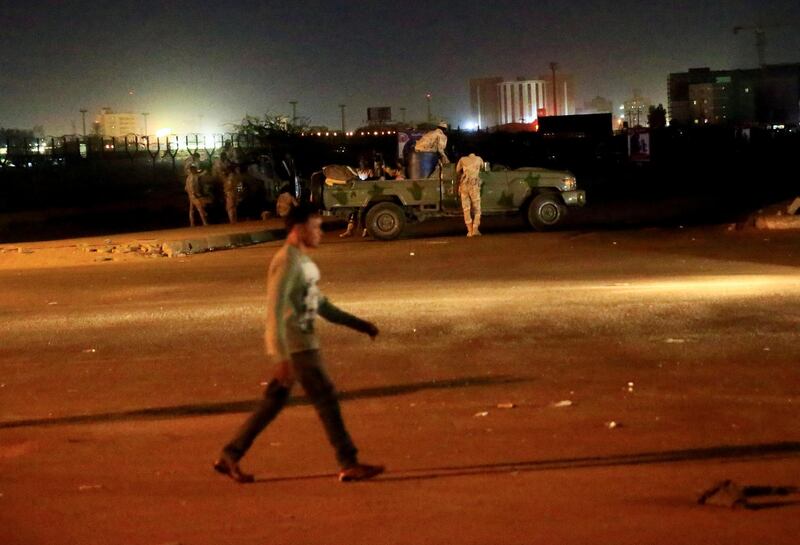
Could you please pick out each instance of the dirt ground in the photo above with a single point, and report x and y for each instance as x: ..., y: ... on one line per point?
x: 570, y: 388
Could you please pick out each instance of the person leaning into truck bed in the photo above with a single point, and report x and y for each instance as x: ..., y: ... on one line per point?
x: 435, y: 140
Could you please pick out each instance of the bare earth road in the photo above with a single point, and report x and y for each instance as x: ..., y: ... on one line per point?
x: 120, y: 380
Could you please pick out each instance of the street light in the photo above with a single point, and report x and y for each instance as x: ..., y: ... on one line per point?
x: 403, y: 115
x: 294, y: 111
x: 83, y: 116
x: 428, y: 98
x: 144, y: 115
x: 341, y: 107
x: 553, y: 67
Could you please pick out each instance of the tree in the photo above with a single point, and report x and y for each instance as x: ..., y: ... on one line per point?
x: 657, y: 117
x: 269, y: 126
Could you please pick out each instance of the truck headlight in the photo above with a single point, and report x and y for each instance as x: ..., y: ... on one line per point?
x: 569, y: 183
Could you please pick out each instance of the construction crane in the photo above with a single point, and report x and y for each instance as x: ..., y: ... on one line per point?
x: 761, y: 39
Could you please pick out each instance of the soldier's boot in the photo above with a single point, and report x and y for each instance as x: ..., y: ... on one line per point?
x: 475, y: 224
x: 351, y: 226
x: 468, y: 222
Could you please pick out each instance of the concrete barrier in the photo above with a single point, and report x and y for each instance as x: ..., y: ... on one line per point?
x: 776, y: 223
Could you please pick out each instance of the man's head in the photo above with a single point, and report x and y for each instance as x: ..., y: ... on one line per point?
x: 304, y: 225
x: 442, y: 125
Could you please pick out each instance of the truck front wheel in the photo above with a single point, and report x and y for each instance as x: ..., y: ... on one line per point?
x: 545, y: 212
x: 385, y: 221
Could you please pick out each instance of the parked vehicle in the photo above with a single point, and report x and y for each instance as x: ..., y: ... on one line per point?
x: 540, y: 195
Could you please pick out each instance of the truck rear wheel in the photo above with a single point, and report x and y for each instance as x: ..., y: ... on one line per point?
x: 546, y: 211
x: 385, y: 221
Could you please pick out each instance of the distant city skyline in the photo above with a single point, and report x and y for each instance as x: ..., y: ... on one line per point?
x: 201, y: 67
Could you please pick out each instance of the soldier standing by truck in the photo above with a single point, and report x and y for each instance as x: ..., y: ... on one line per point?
x: 468, y: 170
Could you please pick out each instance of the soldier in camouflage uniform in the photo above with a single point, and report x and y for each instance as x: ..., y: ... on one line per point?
x: 468, y: 170
x: 230, y: 186
x: 227, y: 171
x: 436, y: 141
x: 197, y: 201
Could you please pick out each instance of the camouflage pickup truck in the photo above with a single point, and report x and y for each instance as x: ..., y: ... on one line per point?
x: 539, y: 195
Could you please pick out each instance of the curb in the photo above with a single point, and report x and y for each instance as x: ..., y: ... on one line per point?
x: 174, y: 248
x: 777, y: 223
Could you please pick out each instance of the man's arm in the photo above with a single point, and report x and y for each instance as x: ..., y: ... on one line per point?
x: 279, y: 284
x: 335, y: 315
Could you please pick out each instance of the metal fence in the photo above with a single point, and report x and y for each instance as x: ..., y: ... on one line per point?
x: 22, y: 153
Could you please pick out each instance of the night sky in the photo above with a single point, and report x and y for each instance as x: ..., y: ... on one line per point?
x: 196, y: 66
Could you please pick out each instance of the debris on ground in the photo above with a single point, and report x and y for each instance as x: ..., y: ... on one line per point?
x: 85, y: 487
x: 482, y: 413
x: 563, y: 403
x: 723, y: 494
x: 613, y: 424
x: 507, y: 405
x: 670, y: 340
x: 90, y: 351
x: 728, y: 493
x: 629, y: 387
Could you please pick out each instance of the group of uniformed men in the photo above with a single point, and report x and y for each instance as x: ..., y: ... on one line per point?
x: 224, y: 168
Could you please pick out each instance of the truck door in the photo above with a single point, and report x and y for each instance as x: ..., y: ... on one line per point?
x: 495, y: 193
x: 451, y: 202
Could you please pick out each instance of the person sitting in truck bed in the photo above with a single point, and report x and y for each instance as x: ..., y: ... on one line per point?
x: 397, y: 173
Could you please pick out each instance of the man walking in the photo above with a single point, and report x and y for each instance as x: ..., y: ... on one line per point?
x: 293, y: 302
x: 468, y: 169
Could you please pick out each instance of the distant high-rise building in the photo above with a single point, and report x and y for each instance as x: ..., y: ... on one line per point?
x: 498, y: 101
x: 116, y: 124
x: 766, y: 95
x: 565, y: 93
x: 636, y: 109
x: 483, y: 99
x: 521, y: 101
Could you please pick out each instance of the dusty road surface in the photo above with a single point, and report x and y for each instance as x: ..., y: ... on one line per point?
x: 563, y: 388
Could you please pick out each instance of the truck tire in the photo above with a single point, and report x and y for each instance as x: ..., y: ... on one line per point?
x: 385, y: 221
x: 546, y: 211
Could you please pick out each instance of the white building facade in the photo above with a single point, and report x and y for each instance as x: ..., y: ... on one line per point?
x: 520, y: 101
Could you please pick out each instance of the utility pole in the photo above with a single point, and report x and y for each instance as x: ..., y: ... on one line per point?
x: 428, y: 98
x: 553, y: 67
x: 341, y: 107
x: 294, y: 111
x: 83, y: 116
x: 403, y: 115
x: 144, y: 115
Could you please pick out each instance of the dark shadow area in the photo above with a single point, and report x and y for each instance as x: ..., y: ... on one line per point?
x: 735, y: 452
x: 719, y: 453
x: 692, y: 176
x: 205, y: 409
